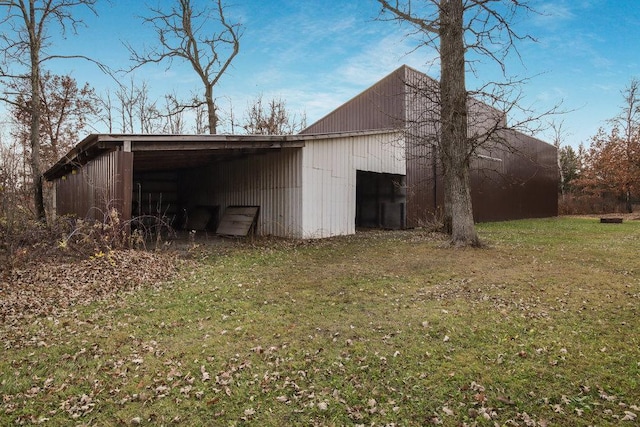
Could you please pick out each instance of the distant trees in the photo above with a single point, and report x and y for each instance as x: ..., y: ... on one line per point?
x: 608, y: 174
x: 570, y: 166
x: 15, y: 190
x: 612, y: 163
x: 130, y: 109
x: 612, y: 167
x: 203, y: 38
x: 569, y: 162
x: 272, y: 118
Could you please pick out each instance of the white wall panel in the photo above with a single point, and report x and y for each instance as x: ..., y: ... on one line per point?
x: 329, y: 178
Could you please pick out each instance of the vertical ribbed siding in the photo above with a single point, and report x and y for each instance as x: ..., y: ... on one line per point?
x: 329, y: 178
x: 405, y: 99
x: 379, y: 107
x: 272, y: 181
x: 92, y: 190
x: 519, y: 180
x: 424, y: 183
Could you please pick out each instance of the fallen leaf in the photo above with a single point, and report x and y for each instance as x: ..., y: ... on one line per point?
x: 629, y: 416
x: 205, y: 374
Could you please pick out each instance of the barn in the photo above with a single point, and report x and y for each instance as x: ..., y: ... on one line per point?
x: 513, y: 175
x: 363, y: 165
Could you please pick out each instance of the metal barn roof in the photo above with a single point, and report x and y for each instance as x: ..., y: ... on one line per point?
x: 162, y: 151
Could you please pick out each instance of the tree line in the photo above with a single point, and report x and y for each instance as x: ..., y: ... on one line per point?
x: 605, y: 175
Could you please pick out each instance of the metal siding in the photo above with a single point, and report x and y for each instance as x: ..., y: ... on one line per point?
x: 522, y: 185
x: 397, y: 101
x: 271, y: 181
x: 379, y: 107
x: 312, y: 198
x: 424, y: 195
x: 92, y: 190
x: 329, y: 206
x: 329, y: 178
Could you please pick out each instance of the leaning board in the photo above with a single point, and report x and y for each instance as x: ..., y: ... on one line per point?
x: 238, y: 220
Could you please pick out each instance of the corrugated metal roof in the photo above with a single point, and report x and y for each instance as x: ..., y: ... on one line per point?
x: 181, y: 151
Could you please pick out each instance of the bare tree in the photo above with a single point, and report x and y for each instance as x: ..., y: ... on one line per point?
x: 272, y: 118
x: 629, y: 118
x: 106, y: 109
x: 24, y: 48
x: 203, y: 38
x: 629, y: 123
x: 453, y: 28
x: 133, y: 109
x: 12, y: 179
x: 558, y: 137
x: 173, y: 115
x: 200, y: 116
x: 128, y: 98
x: 148, y: 113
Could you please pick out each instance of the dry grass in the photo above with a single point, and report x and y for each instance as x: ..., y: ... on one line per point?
x: 382, y: 328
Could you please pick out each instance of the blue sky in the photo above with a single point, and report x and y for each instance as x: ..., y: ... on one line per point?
x: 317, y: 54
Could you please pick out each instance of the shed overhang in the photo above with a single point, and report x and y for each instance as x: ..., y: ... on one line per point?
x: 158, y: 152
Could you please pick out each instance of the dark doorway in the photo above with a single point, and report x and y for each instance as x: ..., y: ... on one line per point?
x: 380, y: 200
x: 168, y: 197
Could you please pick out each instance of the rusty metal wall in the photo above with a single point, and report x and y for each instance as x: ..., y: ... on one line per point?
x: 91, y: 190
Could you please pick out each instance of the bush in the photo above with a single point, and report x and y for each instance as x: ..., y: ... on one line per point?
x: 572, y: 204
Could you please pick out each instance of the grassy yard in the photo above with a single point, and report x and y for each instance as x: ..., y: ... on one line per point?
x: 540, y: 328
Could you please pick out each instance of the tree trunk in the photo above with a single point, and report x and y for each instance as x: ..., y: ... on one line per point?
x: 36, y: 168
x: 447, y: 220
x: 561, y: 172
x: 211, y: 109
x: 34, y: 137
x: 455, y: 150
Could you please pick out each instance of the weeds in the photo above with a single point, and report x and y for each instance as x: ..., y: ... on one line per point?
x: 65, y: 238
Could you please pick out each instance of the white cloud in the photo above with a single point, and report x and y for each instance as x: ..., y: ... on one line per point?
x: 552, y: 14
x: 380, y: 58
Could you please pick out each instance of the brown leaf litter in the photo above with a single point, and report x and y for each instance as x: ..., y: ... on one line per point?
x: 46, y: 287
